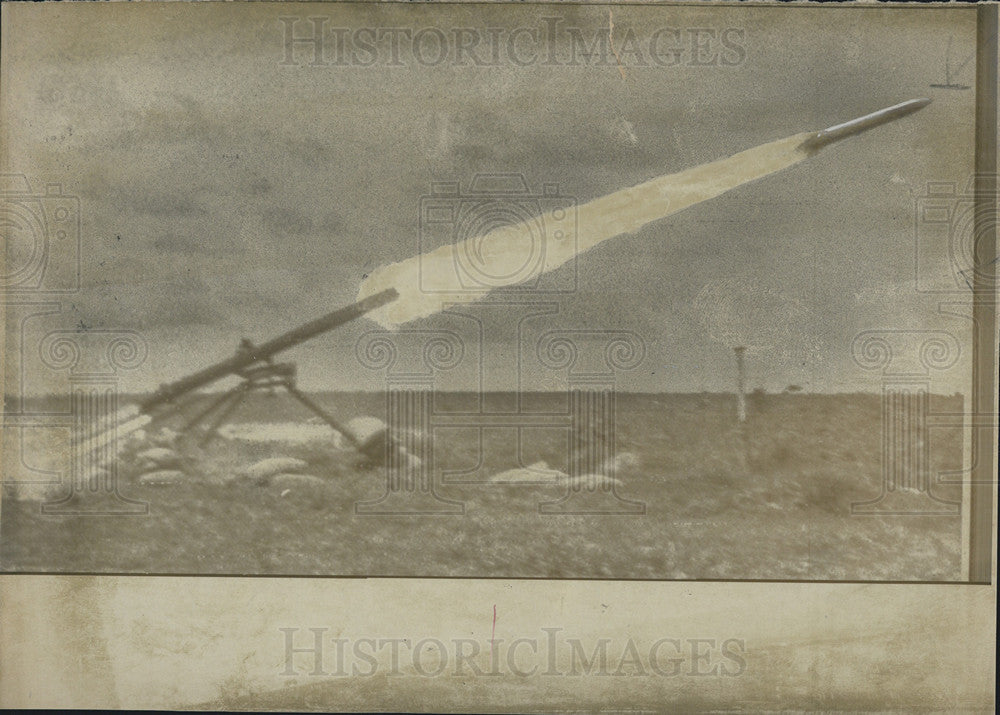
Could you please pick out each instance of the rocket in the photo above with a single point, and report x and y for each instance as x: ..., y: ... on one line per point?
x: 837, y: 132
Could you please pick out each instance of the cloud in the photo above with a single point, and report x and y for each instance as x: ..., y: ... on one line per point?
x: 154, y: 203
x: 183, y: 245
x: 149, y: 305
x: 283, y: 221
x: 181, y: 119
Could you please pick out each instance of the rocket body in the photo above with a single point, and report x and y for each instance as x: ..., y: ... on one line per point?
x: 861, y: 124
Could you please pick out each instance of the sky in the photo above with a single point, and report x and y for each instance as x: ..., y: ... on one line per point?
x: 226, y: 192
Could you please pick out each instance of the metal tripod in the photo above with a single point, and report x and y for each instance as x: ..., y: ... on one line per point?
x: 265, y: 376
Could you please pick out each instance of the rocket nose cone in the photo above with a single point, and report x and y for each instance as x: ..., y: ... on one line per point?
x: 901, y: 110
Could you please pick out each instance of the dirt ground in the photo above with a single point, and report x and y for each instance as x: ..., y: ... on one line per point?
x: 770, y: 500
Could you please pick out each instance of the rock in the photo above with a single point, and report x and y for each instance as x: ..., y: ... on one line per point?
x: 162, y: 477
x: 289, y: 481
x: 262, y: 471
x: 159, y: 457
x: 364, y: 429
x: 371, y: 434
x: 537, y: 472
x: 625, y: 460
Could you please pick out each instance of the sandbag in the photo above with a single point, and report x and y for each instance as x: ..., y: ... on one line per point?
x: 364, y: 428
x: 370, y: 434
x: 266, y: 468
x: 161, y: 457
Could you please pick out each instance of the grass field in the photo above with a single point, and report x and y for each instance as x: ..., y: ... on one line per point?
x: 769, y: 501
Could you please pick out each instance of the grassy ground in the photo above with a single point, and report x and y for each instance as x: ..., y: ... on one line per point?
x: 770, y: 501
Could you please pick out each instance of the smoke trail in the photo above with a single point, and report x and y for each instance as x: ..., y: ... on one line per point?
x: 429, y: 282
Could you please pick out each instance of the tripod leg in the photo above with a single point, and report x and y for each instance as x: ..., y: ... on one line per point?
x: 239, y: 394
x: 323, y: 415
x: 200, y: 417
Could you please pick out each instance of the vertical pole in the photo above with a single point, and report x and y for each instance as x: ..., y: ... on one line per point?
x: 741, y: 397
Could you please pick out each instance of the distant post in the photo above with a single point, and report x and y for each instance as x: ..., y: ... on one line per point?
x: 741, y: 397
